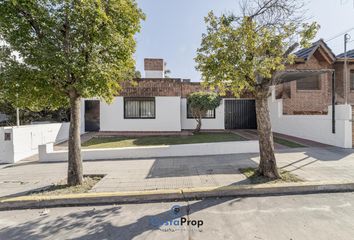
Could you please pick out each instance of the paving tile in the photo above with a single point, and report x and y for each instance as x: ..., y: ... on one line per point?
x: 312, y: 164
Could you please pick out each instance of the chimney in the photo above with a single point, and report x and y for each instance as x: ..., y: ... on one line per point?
x: 154, y: 68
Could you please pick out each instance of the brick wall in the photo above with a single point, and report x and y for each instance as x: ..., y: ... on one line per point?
x: 351, y: 92
x: 159, y: 87
x: 153, y: 64
x: 340, y: 83
x: 307, y: 101
x: 150, y: 87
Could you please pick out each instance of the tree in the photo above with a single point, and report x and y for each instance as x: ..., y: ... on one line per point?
x: 199, y: 104
x: 137, y: 74
x: 27, y: 116
x: 245, y: 53
x: 68, y: 50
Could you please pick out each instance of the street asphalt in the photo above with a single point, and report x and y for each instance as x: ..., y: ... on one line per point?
x: 300, y: 217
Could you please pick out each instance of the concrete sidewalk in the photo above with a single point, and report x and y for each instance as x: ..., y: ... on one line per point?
x: 311, y: 164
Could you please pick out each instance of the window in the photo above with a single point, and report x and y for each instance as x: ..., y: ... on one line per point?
x: 7, y: 137
x: 139, y: 108
x: 352, y: 80
x: 309, y: 83
x: 209, y: 113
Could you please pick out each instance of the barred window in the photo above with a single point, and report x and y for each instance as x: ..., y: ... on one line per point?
x: 209, y: 113
x: 309, y: 83
x: 139, y: 108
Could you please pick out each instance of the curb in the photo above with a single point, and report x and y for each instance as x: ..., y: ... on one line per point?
x: 92, y: 198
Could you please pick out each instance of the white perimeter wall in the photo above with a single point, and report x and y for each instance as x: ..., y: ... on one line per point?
x: 25, y: 139
x: 314, y: 127
x: 216, y: 123
x: 167, y: 116
x: 154, y: 74
x: 46, y: 153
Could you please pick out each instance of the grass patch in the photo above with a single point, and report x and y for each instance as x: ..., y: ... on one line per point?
x: 63, y: 188
x: 117, y: 142
x: 254, y: 177
x: 287, y: 143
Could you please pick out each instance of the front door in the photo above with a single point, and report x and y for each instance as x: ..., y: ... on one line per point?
x: 240, y: 114
x: 92, y: 115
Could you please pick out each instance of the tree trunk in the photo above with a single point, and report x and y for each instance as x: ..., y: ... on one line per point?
x: 267, y: 165
x: 199, y: 125
x: 75, y: 173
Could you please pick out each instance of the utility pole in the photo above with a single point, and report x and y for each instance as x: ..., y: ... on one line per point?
x: 17, y: 117
x: 346, y: 40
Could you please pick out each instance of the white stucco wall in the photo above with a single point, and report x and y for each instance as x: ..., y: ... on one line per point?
x: 25, y: 139
x: 216, y: 123
x: 46, y: 153
x: 314, y: 127
x: 154, y: 74
x: 6, y: 147
x: 167, y: 116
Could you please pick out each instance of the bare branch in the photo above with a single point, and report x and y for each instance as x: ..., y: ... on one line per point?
x: 290, y: 49
x: 274, y: 12
x: 31, y: 20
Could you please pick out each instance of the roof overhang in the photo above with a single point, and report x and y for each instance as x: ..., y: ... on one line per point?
x: 349, y: 60
x: 297, y: 74
x: 320, y: 46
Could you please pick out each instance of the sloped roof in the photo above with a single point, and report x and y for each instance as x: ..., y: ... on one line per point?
x: 298, y: 74
x: 350, y: 54
x: 306, y: 53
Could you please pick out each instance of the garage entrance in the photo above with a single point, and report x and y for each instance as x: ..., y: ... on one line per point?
x: 240, y: 114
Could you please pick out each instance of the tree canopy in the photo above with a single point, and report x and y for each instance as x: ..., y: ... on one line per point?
x: 64, y: 45
x: 245, y: 53
x: 203, y: 101
x: 200, y: 102
x: 237, y: 52
x: 67, y: 50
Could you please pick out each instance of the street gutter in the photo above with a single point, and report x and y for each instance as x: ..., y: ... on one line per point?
x: 104, y: 198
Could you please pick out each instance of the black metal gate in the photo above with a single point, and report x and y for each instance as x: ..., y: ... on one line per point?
x: 240, y: 114
x: 92, y: 115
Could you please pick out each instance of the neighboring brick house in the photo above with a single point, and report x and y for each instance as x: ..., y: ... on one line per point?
x: 313, y: 94
x: 339, y: 68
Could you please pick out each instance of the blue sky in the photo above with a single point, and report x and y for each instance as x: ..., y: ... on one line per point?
x: 173, y: 29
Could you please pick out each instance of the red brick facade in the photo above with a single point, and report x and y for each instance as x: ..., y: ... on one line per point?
x: 153, y: 64
x: 340, y: 82
x: 150, y: 87
x: 297, y: 101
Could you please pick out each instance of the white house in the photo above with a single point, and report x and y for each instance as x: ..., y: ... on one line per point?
x: 158, y: 104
